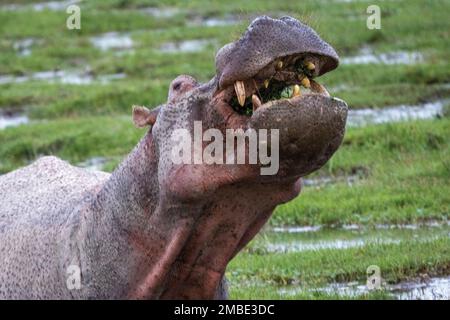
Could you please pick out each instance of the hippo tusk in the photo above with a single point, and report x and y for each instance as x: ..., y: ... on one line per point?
x: 239, y: 87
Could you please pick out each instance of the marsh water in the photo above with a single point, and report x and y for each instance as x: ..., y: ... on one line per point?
x: 112, y: 41
x: 40, y: 6
x: 306, y: 238
x: 194, y: 45
x: 12, y: 119
x: 76, y: 77
x: 298, y: 239
x: 367, y: 56
x: 361, y: 117
x: 434, y: 288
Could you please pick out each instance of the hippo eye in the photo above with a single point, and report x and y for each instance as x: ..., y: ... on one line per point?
x: 176, y: 86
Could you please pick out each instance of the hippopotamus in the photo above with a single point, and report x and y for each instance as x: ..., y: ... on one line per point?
x: 156, y: 228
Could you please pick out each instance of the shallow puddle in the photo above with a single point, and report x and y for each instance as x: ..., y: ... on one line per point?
x: 296, y: 229
x: 187, y: 45
x: 12, y: 119
x: 298, y: 239
x: 362, y: 117
x: 54, y: 5
x: 113, y: 41
x: 23, y: 47
x: 430, y: 289
x: 164, y: 12
x: 214, y: 21
x: 436, y: 288
x: 355, y: 227
x: 299, y: 246
x: 367, y: 56
x: 61, y: 76
x: 40, y: 6
x: 302, y: 239
x: 107, y: 78
x: 322, y: 181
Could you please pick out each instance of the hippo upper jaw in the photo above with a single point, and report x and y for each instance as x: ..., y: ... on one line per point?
x: 267, y: 40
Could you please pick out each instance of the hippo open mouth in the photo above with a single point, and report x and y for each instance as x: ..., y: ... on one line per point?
x: 275, y: 59
x: 268, y: 80
x: 283, y: 78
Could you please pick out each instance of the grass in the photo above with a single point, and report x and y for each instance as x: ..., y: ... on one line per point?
x: 408, y: 169
x: 270, y: 292
x: 367, y: 85
x: 403, y: 168
x: 397, y: 262
x: 302, y: 241
x: 71, y: 139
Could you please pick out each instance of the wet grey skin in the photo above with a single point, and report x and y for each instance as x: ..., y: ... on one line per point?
x: 154, y: 229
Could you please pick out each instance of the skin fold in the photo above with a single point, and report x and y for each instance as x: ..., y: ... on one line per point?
x: 154, y: 229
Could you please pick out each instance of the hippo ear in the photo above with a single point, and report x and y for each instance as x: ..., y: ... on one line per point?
x: 144, y: 117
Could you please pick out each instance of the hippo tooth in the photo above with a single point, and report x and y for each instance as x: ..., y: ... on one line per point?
x: 239, y: 87
x: 317, y: 87
x: 305, y: 82
x: 266, y: 83
x: 279, y: 65
x: 256, y: 102
x: 310, y: 66
x: 296, y: 91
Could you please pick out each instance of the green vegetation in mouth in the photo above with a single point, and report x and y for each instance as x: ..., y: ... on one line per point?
x: 246, y: 109
x: 276, y: 90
